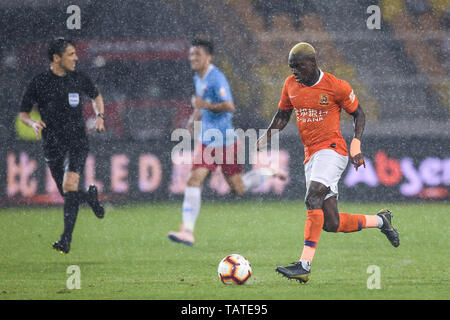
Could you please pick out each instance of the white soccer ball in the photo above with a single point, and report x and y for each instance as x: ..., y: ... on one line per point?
x: 234, y: 269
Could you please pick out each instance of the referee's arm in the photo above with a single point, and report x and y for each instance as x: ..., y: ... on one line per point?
x: 28, y: 100
x: 37, y: 126
x: 99, y: 109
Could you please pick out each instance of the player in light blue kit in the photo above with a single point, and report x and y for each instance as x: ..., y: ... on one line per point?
x: 213, y: 103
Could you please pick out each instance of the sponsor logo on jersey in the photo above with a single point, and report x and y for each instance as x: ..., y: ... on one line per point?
x: 310, y: 115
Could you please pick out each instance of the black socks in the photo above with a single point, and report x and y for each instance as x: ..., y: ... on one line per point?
x: 82, y: 196
x: 71, y: 205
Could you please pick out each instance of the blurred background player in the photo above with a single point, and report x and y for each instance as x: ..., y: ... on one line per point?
x: 58, y: 94
x: 213, y: 104
x: 317, y: 98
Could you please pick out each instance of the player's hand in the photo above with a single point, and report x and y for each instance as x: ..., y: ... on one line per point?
x: 198, y: 102
x: 190, y: 127
x: 358, y: 161
x: 261, y: 144
x: 356, y: 157
x: 99, y: 124
x: 37, y: 127
x: 193, y: 102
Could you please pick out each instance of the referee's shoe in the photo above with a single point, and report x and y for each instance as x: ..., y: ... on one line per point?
x: 92, y: 200
x: 62, y: 246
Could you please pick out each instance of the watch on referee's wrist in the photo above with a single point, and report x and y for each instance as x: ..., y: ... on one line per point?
x: 101, y: 115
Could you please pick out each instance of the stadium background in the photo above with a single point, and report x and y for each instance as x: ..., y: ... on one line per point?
x: 137, y: 53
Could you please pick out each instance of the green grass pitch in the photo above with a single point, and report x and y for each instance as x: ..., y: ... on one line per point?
x: 127, y: 255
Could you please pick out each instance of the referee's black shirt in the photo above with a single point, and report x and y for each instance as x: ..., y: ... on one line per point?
x: 59, y: 101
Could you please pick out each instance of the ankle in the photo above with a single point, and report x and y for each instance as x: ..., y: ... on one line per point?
x: 306, y: 265
x: 188, y: 227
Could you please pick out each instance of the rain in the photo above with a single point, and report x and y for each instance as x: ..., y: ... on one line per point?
x: 394, y: 55
x: 136, y: 53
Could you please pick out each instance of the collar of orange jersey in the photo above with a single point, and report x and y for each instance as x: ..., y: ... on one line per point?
x: 320, y: 78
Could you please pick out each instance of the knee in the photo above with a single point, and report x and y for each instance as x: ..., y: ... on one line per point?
x: 194, y: 181
x: 315, y: 195
x: 70, y: 182
x: 314, y: 199
x: 70, y: 186
x: 330, y: 226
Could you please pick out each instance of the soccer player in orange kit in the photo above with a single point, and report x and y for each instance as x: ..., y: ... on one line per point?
x: 317, y: 98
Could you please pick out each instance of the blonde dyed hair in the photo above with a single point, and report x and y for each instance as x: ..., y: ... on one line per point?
x: 304, y: 49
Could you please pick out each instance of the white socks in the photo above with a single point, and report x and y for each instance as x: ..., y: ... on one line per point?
x: 192, y: 195
x: 380, y: 222
x: 191, y: 207
x: 306, y: 265
x: 255, y: 178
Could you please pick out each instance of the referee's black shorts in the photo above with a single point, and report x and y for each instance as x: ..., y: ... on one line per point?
x: 68, y: 157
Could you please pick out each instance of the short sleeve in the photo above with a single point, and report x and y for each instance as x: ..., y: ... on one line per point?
x: 222, y: 89
x: 285, y: 101
x: 29, y: 97
x: 88, y: 86
x: 346, y: 98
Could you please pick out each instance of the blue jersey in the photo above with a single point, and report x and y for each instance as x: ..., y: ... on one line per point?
x: 214, y: 88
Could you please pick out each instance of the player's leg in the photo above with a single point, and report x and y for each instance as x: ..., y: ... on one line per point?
x: 314, y: 199
x: 236, y: 183
x: 56, y: 161
x: 232, y: 170
x: 322, y: 172
x: 56, y: 166
x: 330, y: 214
x: 91, y: 198
x: 191, y: 206
x: 346, y: 222
x: 335, y: 221
x: 192, y: 197
x: 240, y: 182
x: 74, y: 164
x: 71, y: 206
x: 258, y: 177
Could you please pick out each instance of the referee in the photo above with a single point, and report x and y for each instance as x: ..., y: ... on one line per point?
x: 58, y: 94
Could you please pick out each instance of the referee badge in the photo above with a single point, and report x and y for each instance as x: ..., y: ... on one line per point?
x: 74, y: 99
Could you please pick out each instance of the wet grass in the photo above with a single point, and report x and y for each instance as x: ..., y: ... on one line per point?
x: 127, y: 255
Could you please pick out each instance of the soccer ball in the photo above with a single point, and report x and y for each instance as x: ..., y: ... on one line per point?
x: 234, y: 269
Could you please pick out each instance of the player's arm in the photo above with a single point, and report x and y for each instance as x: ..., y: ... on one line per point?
x: 226, y: 106
x: 279, y: 121
x: 97, y: 101
x: 281, y: 118
x: 195, y: 116
x: 37, y: 126
x: 359, y: 122
x: 99, y: 109
x: 28, y: 100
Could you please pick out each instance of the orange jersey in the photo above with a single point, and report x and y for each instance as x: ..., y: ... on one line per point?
x: 318, y: 111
